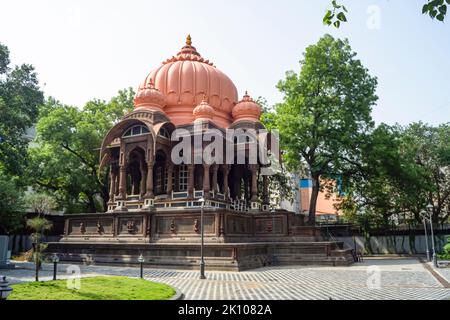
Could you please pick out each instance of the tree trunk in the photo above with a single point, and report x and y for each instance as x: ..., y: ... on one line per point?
x: 91, y: 204
x: 105, y: 202
x: 313, y: 201
x: 37, y: 259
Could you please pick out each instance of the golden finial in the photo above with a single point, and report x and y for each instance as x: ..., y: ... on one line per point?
x: 189, y: 40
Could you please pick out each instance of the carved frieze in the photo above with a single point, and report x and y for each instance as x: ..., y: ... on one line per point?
x: 184, y: 225
x: 89, y: 226
x: 131, y: 226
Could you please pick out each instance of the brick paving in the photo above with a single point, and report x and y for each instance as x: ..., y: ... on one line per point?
x: 400, y: 279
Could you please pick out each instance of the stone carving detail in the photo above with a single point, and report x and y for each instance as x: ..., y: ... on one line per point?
x: 131, y: 226
x: 99, y: 228
x: 173, y: 228
x: 82, y: 228
x: 221, y: 229
x: 148, y: 231
x: 196, y: 226
x: 269, y: 226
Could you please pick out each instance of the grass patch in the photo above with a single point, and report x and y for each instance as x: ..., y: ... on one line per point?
x: 95, y: 288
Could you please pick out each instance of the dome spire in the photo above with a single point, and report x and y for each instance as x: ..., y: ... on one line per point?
x: 188, y: 53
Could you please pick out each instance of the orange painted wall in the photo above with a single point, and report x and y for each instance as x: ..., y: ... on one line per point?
x: 324, y: 205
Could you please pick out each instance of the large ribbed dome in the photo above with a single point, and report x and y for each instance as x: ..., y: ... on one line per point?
x: 186, y: 79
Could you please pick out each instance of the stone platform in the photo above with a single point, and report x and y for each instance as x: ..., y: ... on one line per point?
x: 171, y: 239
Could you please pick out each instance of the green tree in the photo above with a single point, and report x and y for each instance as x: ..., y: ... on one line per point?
x: 429, y: 148
x: 326, y: 111
x: 65, y: 159
x: 39, y: 226
x: 11, y: 205
x: 382, y: 182
x: 41, y: 204
x: 436, y: 9
x: 20, y: 98
x: 400, y: 171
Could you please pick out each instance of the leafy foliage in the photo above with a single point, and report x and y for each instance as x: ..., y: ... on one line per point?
x: 429, y: 148
x: 446, y: 254
x: 65, y: 160
x: 326, y: 111
x: 400, y: 171
x: 39, y: 225
x: 11, y: 204
x: 20, y: 98
x: 336, y: 15
x: 436, y: 9
x: 40, y: 203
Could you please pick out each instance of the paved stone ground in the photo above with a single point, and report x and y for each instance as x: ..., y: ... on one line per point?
x: 445, y: 273
x: 401, y: 279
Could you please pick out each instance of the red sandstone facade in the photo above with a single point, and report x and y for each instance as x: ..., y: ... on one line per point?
x: 154, y: 205
x: 185, y: 91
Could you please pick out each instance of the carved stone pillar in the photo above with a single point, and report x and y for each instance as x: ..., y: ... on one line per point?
x: 226, y: 190
x: 149, y: 199
x: 133, y: 184
x: 237, y: 184
x: 112, y: 186
x: 121, y: 199
x: 123, y: 181
x: 117, y: 184
x: 191, y: 168
x: 206, y: 186
x: 215, y: 169
x: 254, y: 187
x: 149, y: 190
x: 142, y: 187
x: 254, y: 193
x: 246, y: 186
x: 169, y: 179
x: 266, y: 200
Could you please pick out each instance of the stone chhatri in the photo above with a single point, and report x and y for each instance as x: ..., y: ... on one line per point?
x: 154, y: 204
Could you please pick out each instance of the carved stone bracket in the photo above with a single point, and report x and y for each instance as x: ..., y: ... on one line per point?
x: 99, y: 228
x: 196, y: 226
x: 131, y: 227
x: 269, y: 226
x: 82, y: 228
x: 173, y: 227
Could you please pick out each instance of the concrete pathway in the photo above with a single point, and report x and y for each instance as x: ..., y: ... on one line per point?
x: 375, y: 279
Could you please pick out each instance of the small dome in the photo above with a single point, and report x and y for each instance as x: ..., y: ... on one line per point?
x: 149, y: 97
x: 203, y: 111
x: 246, y: 109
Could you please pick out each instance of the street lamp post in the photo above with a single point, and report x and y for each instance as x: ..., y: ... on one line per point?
x: 5, y: 289
x: 202, y: 230
x: 424, y: 215
x: 55, y: 260
x: 430, y: 208
x: 141, y: 262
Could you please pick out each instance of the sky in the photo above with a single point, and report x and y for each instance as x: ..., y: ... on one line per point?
x: 91, y: 49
